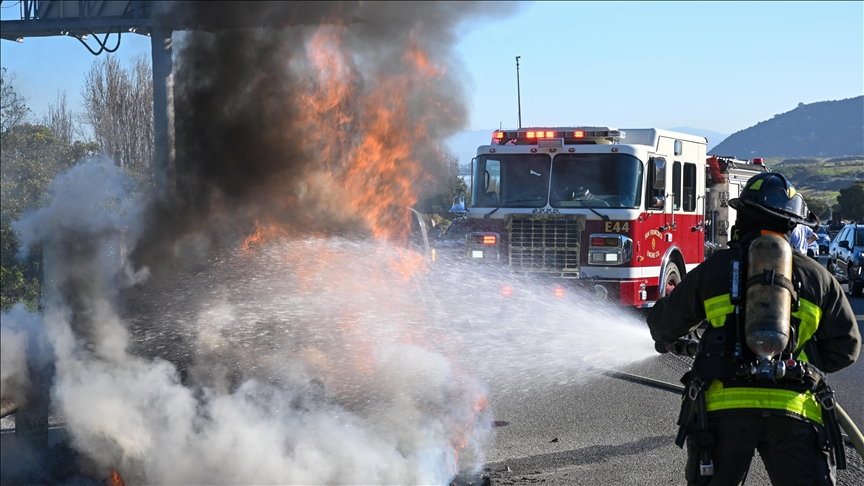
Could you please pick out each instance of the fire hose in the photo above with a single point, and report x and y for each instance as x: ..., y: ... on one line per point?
x: 852, y: 436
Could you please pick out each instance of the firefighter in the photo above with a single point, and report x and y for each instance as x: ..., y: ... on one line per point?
x: 736, y: 401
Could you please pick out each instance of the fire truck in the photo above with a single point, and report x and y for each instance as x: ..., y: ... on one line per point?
x: 623, y: 213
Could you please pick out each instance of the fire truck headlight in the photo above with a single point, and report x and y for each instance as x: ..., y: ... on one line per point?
x: 606, y: 257
x: 482, y: 246
x: 609, y: 249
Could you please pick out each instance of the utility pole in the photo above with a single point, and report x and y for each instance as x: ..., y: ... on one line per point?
x: 518, y: 92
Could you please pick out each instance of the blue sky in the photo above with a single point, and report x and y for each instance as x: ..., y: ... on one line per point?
x: 719, y: 66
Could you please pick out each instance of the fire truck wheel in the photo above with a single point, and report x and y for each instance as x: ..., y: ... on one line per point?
x: 672, y: 277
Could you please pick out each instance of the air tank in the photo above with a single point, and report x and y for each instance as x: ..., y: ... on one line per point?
x: 768, y: 307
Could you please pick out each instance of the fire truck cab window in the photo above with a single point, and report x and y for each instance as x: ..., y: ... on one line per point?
x: 676, y: 185
x: 689, y: 190
x: 511, y: 180
x: 656, y: 191
x: 597, y: 180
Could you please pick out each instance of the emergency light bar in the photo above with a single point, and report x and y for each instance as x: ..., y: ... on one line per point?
x: 525, y: 136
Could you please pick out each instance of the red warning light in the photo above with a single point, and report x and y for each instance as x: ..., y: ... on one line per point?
x: 550, y: 134
x: 758, y: 161
x: 598, y: 241
x: 498, y: 135
x: 506, y: 291
x: 529, y: 134
x: 490, y: 239
x: 559, y: 292
x: 579, y: 134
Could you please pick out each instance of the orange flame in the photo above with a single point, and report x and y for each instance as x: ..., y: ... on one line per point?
x: 367, y: 136
x: 463, y: 429
x: 370, y: 134
x: 115, y: 479
x: 261, y: 233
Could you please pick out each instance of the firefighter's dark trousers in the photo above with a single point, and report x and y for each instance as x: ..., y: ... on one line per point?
x: 794, y: 452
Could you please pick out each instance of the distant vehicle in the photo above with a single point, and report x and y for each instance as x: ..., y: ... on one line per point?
x: 813, y: 250
x: 822, y: 239
x: 846, y: 258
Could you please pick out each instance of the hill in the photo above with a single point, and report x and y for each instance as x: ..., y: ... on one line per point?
x: 823, y: 129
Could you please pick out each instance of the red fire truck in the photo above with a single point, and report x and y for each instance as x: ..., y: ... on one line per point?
x: 624, y: 213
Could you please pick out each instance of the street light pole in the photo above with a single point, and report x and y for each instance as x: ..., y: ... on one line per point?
x: 518, y: 92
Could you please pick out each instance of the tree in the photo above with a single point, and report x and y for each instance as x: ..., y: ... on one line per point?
x: 31, y: 158
x: 118, y: 106
x: 819, y: 207
x: 60, y: 119
x: 13, y: 105
x: 851, y: 200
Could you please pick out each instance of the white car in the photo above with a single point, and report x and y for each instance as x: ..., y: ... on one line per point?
x: 813, y: 250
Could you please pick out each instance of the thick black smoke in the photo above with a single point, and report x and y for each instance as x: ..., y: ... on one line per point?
x: 245, y: 148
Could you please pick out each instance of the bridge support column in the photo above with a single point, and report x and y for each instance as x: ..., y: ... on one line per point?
x: 163, y: 110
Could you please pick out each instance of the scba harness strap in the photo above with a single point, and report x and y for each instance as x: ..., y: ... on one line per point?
x: 771, y: 278
x: 825, y: 395
x: 694, y: 402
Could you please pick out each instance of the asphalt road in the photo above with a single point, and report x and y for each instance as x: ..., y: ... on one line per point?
x: 608, y: 431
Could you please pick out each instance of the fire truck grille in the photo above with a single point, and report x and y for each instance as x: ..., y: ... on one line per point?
x: 545, y: 243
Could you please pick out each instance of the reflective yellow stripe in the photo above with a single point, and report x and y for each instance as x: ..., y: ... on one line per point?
x: 718, y: 397
x: 717, y: 308
x: 810, y: 315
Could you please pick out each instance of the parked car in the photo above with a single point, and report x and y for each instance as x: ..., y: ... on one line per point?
x: 823, y: 240
x: 813, y: 250
x: 846, y: 257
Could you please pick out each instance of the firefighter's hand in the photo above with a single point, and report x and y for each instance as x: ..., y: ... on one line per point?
x: 663, y: 348
x: 681, y: 347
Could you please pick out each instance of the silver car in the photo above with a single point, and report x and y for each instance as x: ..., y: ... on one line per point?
x: 822, y: 239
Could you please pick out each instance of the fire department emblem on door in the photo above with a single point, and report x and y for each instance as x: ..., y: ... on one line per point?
x: 653, y: 235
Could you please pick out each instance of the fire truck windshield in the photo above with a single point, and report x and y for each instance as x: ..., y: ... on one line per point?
x: 511, y: 180
x: 596, y: 180
x: 610, y: 180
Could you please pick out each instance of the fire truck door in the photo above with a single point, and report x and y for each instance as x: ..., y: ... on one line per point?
x: 658, y: 209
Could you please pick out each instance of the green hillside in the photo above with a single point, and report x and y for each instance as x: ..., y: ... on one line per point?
x: 820, y: 179
x: 817, y: 130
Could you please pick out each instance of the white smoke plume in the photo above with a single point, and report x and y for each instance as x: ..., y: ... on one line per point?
x: 311, y: 359
x: 19, y: 328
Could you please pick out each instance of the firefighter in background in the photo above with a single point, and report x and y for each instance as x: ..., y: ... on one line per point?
x: 738, y: 399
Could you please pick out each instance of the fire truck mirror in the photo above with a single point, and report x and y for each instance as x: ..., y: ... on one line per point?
x: 659, y: 179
